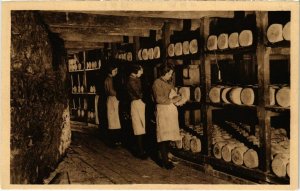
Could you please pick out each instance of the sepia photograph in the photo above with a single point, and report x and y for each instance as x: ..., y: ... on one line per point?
x: 116, y: 94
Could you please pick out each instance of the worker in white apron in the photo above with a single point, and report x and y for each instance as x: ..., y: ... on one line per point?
x: 137, y: 109
x: 167, y: 115
x: 112, y: 102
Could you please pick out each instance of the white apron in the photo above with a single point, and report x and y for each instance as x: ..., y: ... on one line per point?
x: 167, y: 123
x: 138, y: 117
x: 113, y: 113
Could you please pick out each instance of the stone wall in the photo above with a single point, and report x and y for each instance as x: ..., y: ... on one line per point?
x: 40, y: 119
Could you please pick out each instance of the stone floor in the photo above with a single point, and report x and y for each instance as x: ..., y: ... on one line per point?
x: 90, y: 161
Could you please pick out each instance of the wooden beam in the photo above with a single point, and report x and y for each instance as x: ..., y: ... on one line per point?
x: 166, y: 14
x: 100, y: 31
x: 90, y: 37
x: 56, y: 19
x: 83, y: 45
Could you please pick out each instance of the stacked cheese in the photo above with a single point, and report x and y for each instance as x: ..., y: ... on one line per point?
x: 233, y: 40
x: 277, y: 32
x: 188, y: 142
x: 229, y: 149
x: 280, y: 152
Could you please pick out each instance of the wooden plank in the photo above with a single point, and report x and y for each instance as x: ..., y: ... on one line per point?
x: 166, y: 33
x: 90, y: 38
x: 263, y: 92
x: 206, y: 84
x: 100, y: 31
x: 82, y: 44
x: 53, y: 18
x: 167, y: 14
x: 136, y: 47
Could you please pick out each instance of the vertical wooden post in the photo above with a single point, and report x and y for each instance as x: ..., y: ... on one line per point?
x: 84, y: 72
x: 166, y: 33
x: 136, y: 47
x: 205, y: 75
x: 263, y: 92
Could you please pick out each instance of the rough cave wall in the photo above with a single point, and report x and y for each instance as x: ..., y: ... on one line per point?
x: 40, y: 120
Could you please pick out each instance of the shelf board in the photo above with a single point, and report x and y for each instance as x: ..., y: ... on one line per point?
x: 225, y: 105
x: 191, y: 105
x: 278, y: 109
x: 197, y: 158
x: 84, y: 93
x: 281, y: 44
x: 76, y: 71
x: 94, y: 69
x: 280, y: 51
x: 195, y: 56
x: 238, y: 136
x: 239, y: 50
x: 241, y: 171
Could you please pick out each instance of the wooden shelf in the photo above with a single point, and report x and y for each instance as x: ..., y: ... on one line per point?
x: 281, y: 44
x: 76, y: 71
x: 238, y: 136
x: 193, y: 132
x: 226, y: 105
x: 84, y: 93
x: 197, y: 158
x: 94, y: 69
x: 191, y: 105
x: 278, y: 109
x: 240, y: 50
x: 255, y: 175
x: 195, y: 56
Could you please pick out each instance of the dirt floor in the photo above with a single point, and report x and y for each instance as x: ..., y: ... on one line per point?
x: 90, y: 161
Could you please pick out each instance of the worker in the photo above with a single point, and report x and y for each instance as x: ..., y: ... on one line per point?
x: 112, y: 102
x: 137, y: 108
x: 167, y: 123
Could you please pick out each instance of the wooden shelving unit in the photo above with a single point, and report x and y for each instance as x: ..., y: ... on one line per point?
x: 86, y: 101
x: 262, y: 54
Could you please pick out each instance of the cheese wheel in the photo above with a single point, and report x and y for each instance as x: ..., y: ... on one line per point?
x: 247, y: 96
x: 226, y: 150
x: 233, y: 40
x: 193, y: 46
x: 179, y: 142
x: 185, y: 93
x: 251, y: 159
x: 129, y: 56
x: 178, y: 49
x: 235, y: 95
x: 197, y: 94
x: 150, y: 53
x: 225, y: 94
x: 283, y: 97
x: 186, y: 142
x: 279, y: 164
x: 156, y: 52
x: 286, y: 32
x: 140, y: 54
x: 237, y: 155
x: 212, y: 42
x: 288, y: 169
x: 274, y: 33
x: 186, y: 47
x: 246, y: 38
x: 223, y: 41
x: 272, y: 91
x: 145, y: 54
x: 195, y: 145
x: 171, y: 50
x: 217, y: 149
x: 214, y: 94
